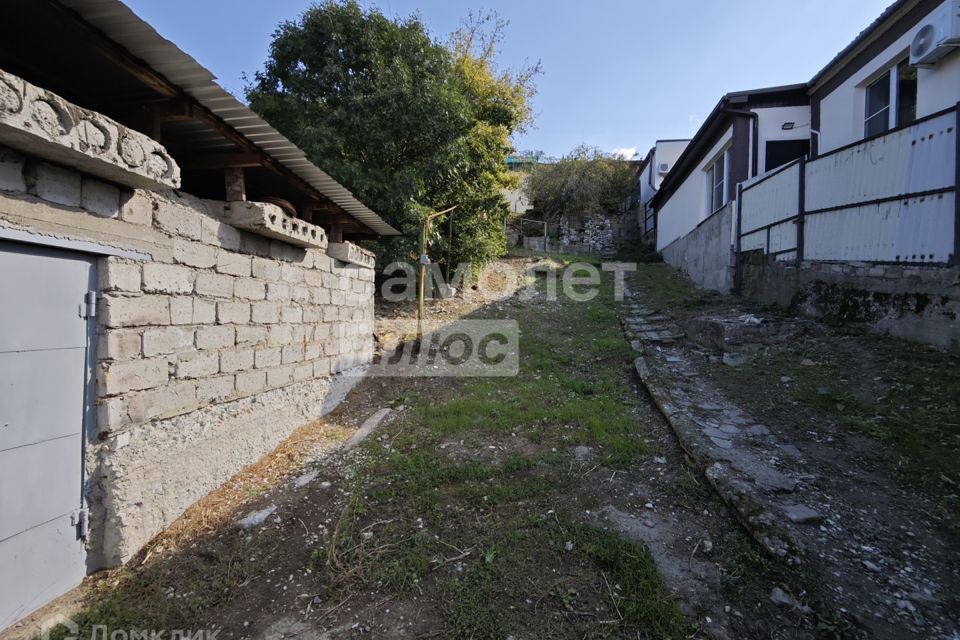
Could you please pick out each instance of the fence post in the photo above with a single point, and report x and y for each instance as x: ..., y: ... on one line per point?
x: 801, y: 206
x: 545, y: 235
x: 955, y: 260
x: 737, y: 261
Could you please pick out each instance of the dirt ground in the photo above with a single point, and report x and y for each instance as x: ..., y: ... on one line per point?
x: 553, y: 504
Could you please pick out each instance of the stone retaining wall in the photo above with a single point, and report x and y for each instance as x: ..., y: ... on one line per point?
x: 214, y: 344
x: 912, y: 302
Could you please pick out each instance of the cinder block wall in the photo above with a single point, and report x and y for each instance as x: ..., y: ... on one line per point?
x: 212, y: 347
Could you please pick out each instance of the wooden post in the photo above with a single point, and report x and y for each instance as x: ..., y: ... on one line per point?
x: 234, y: 184
x: 336, y: 232
x: 801, y: 205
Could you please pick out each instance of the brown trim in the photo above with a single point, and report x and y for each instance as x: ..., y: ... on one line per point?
x: 740, y: 146
x: 848, y: 63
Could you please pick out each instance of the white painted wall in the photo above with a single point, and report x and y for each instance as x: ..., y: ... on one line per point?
x: 666, y: 151
x: 770, y: 127
x: 842, y: 110
x: 516, y: 198
x: 687, y: 207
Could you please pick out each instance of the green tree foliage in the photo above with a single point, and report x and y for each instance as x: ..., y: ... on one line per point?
x: 584, y: 182
x: 407, y: 123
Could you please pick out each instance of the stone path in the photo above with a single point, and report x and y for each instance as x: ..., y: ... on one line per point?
x: 871, y: 542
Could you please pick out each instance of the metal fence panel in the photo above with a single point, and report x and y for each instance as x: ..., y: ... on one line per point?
x: 774, y: 198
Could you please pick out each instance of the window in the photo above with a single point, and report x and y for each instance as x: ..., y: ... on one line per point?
x: 906, y: 93
x: 891, y: 101
x: 878, y: 107
x: 716, y: 182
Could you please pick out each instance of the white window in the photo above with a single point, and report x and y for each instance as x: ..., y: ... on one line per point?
x: 717, y: 183
x: 891, y: 100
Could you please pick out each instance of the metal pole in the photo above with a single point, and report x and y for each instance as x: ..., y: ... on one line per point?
x: 738, y: 259
x: 955, y: 259
x: 423, y: 273
x: 544, y: 236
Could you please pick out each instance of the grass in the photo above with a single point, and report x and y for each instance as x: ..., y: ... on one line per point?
x: 490, y: 542
x: 665, y: 288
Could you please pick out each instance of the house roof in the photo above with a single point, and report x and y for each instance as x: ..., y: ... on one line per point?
x: 121, y: 25
x: 716, y: 123
x: 872, y: 29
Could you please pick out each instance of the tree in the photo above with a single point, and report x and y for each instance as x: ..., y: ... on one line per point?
x: 408, y: 124
x: 584, y: 182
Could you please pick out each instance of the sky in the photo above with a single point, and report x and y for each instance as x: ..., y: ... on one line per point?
x: 617, y: 74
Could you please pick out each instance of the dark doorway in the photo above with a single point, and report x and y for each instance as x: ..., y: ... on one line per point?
x: 780, y: 152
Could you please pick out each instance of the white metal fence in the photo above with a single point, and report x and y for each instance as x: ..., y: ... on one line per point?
x: 891, y: 198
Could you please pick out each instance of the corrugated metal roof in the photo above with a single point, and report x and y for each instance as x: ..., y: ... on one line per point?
x: 124, y: 27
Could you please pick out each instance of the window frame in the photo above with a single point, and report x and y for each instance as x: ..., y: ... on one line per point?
x: 882, y: 114
x: 713, y: 183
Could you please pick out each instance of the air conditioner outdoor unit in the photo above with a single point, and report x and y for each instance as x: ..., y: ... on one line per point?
x: 663, y: 167
x: 938, y: 36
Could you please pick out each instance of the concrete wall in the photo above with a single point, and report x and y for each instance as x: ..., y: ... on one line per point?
x: 214, y: 344
x: 704, y: 254
x: 916, y: 303
x: 687, y: 207
x: 842, y: 110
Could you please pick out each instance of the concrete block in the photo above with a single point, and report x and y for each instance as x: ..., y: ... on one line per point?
x: 251, y: 336
x: 135, y: 312
x: 292, y: 353
x: 132, y: 375
x: 322, y: 367
x: 331, y: 314
x: 233, y: 312
x: 249, y: 289
x: 300, y: 293
x: 11, y: 171
x: 198, y: 365
x: 111, y: 414
x: 266, y: 269
x: 279, y: 377
x: 291, y: 315
x: 320, y: 296
x: 215, y: 389
x: 312, y: 314
x: 278, y: 291
x: 194, y: 254
x: 41, y: 123
x: 217, y: 234
x: 254, y: 245
x: 322, y: 262
x: 215, y: 285
x: 204, y: 311
x: 218, y: 337
x: 54, y: 184
x: 234, y: 264
x: 269, y: 221
x: 181, y: 310
x: 250, y: 382
x: 280, y: 335
x: 352, y: 254
x: 321, y: 332
x: 313, y: 351
x: 119, y: 344
x: 266, y: 312
x: 137, y: 208
x: 291, y: 273
x: 119, y: 276
x: 238, y: 360
x: 99, y: 198
x: 303, y: 372
x: 164, y: 402
x: 167, y: 278
x: 176, y: 219
x: 266, y: 358
x: 166, y: 340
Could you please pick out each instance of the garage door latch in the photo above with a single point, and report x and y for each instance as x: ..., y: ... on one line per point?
x: 89, y: 307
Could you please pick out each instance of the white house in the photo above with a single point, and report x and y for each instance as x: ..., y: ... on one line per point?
x: 748, y: 132
x: 653, y: 170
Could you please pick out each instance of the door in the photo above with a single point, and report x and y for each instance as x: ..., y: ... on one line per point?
x: 44, y: 386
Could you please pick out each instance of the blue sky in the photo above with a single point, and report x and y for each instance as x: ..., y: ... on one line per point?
x: 618, y: 74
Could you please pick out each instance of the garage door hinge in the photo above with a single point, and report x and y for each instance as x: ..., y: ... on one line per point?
x: 89, y: 307
x: 79, y: 520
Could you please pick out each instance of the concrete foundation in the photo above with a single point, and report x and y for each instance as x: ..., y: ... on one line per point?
x: 916, y: 303
x: 705, y: 254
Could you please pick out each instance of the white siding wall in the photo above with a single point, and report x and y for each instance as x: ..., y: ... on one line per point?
x: 688, y: 206
x: 842, y: 110
x: 770, y: 125
x: 666, y: 151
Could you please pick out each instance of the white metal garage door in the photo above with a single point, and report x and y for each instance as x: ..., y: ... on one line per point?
x: 44, y: 382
